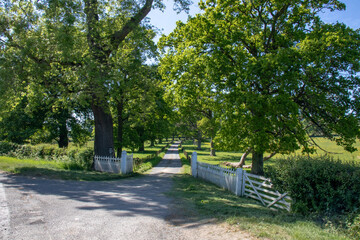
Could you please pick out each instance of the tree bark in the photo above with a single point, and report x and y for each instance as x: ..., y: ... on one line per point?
x: 63, y: 134
x: 160, y: 140
x: 140, y: 130
x: 152, y: 143
x: 243, y: 157
x: 104, y: 140
x: 199, y: 137
x: 257, y: 163
x: 212, y: 149
x: 120, y: 122
x: 142, y: 147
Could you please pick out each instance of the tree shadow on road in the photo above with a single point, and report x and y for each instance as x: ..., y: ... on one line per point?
x: 129, y: 197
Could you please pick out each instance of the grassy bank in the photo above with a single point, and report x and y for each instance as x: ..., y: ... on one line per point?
x: 199, y: 199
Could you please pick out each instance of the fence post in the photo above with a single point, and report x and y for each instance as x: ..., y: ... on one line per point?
x: 123, y: 162
x: 239, y: 182
x: 194, y: 171
x: 243, y: 182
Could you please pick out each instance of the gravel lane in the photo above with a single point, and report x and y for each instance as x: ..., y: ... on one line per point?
x: 133, y: 208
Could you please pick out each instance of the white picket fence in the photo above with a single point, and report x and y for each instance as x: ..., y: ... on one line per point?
x: 123, y: 165
x: 241, y: 183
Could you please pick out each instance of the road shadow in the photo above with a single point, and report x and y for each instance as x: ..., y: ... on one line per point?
x: 144, y: 195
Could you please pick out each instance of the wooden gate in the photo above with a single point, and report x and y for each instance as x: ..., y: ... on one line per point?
x: 260, y: 188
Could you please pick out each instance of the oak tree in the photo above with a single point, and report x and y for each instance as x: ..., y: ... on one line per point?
x: 274, y: 67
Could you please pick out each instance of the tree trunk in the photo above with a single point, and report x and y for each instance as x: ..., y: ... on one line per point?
x: 212, y: 149
x: 142, y: 147
x: 120, y: 121
x: 243, y: 157
x: 152, y: 143
x: 199, y: 140
x: 63, y: 134
x: 160, y: 141
x: 104, y: 140
x: 173, y: 137
x: 257, y: 163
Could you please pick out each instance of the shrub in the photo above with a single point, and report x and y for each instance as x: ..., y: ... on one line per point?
x: 354, y: 227
x: 319, y: 185
x: 73, y: 159
x: 85, y: 158
x: 79, y: 160
x: 22, y: 151
x: 6, y: 147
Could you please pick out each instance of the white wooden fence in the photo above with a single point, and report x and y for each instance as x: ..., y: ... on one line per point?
x: 241, y: 183
x: 123, y: 165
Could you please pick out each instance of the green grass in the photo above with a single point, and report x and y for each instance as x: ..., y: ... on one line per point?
x: 55, y: 169
x: 52, y: 170
x: 198, y: 199
x: 148, y: 164
x: 221, y: 156
x: 148, y: 150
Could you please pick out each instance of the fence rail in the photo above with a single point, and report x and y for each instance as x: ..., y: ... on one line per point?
x: 260, y: 188
x: 223, y: 177
x: 241, y: 183
x: 123, y: 165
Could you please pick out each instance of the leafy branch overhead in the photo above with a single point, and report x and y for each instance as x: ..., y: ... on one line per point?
x: 76, y: 52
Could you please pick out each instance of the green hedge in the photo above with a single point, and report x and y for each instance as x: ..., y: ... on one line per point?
x: 318, y: 185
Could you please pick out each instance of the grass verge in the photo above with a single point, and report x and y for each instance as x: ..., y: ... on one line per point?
x: 205, y: 200
x: 55, y: 169
x: 52, y: 170
x: 142, y: 167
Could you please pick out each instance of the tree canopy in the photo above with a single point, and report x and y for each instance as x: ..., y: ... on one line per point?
x: 72, y: 51
x: 275, y: 68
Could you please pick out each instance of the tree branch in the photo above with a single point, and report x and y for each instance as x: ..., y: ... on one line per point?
x: 318, y: 146
x: 273, y: 25
x: 242, y: 160
x: 119, y: 36
x: 270, y: 156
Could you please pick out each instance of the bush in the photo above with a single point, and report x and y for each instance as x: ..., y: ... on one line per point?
x: 354, y: 227
x: 319, y: 185
x: 7, y: 147
x: 85, y: 158
x: 78, y: 160
x: 73, y: 159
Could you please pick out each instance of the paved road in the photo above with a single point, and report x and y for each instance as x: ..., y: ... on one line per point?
x: 134, y: 208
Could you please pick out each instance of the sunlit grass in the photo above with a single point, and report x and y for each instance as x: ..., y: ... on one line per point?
x: 51, y: 169
x: 56, y: 169
x: 337, y: 152
x: 198, y: 199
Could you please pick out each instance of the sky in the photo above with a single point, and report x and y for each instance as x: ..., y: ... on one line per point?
x: 166, y: 21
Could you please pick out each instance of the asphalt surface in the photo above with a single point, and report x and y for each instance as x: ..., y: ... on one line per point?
x: 134, y: 208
